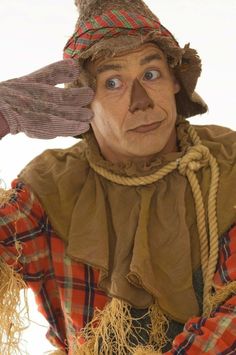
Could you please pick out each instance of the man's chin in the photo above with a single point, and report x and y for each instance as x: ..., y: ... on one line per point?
x: 144, y: 153
x: 145, y: 143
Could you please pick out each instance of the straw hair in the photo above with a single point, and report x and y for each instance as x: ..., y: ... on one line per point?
x: 13, y: 316
x: 146, y: 350
x: 13, y: 313
x: 221, y: 295
x: 5, y: 196
x: 55, y: 352
x: 111, y: 329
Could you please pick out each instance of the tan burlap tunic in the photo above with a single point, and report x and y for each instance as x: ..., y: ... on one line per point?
x: 144, y: 240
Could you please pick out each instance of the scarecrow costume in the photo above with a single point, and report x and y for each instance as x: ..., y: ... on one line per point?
x: 128, y: 258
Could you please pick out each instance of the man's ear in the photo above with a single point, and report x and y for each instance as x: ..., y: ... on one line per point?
x: 177, y: 86
x: 176, y: 83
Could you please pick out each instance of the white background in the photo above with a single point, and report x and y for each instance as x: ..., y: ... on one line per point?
x: 33, y: 34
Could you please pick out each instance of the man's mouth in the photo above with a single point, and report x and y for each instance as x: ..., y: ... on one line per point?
x: 146, y: 128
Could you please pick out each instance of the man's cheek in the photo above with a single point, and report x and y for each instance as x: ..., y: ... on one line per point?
x: 112, y: 127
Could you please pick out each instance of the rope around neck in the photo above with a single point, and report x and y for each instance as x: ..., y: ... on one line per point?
x: 195, y: 158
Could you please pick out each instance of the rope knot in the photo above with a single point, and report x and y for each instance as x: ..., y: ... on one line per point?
x: 195, y: 158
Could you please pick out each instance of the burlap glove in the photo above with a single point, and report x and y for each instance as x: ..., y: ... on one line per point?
x: 33, y: 105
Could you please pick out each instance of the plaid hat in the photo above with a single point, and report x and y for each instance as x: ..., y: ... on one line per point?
x: 108, y: 28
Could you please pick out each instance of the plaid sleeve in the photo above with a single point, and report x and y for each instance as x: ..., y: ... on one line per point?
x: 217, y: 333
x: 22, y: 237
x: 25, y: 245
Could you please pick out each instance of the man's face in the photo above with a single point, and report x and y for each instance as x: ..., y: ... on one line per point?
x: 134, y: 106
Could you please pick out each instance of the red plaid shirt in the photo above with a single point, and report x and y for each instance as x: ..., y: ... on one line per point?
x: 66, y: 291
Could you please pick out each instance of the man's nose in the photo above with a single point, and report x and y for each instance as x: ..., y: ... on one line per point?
x: 139, y: 99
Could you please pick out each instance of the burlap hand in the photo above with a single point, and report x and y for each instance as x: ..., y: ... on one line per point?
x: 33, y: 105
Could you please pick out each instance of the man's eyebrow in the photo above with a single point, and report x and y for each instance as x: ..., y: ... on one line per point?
x: 143, y: 61
x: 151, y: 57
x: 106, y: 67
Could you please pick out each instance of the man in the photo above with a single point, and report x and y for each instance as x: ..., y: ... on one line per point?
x: 119, y: 236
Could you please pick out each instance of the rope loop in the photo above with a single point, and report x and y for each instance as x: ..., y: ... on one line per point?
x: 195, y: 158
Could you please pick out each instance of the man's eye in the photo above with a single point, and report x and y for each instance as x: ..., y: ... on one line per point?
x: 151, y: 75
x: 113, y: 83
